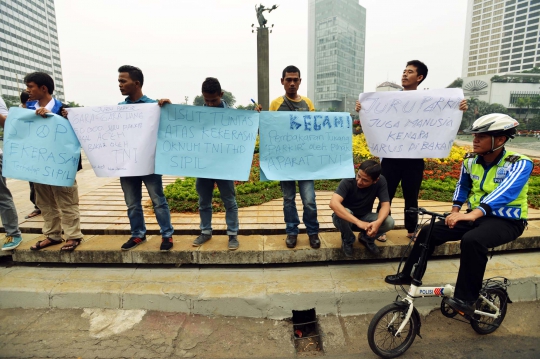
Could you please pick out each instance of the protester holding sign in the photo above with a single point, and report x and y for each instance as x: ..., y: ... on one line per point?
x: 8, y: 213
x: 408, y: 171
x: 352, y: 204
x: 59, y: 205
x: 212, y: 94
x: 292, y: 101
x: 130, y: 80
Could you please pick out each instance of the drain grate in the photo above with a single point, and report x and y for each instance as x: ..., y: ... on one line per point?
x: 307, y: 338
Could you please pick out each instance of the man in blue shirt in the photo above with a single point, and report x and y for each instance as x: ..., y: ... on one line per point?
x: 212, y: 94
x: 130, y: 81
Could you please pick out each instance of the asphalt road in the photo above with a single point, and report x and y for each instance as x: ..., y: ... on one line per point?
x: 97, y: 333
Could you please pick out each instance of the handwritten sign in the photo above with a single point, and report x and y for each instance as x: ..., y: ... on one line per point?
x: 411, y: 124
x: 206, y: 142
x: 305, y: 145
x: 119, y: 140
x: 41, y: 150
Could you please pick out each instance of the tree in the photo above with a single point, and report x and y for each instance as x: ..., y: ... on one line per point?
x: 227, y: 97
x: 198, y: 100
x: 250, y: 107
x: 332, y: 109
x: 524, y: 105
x: 477, y: 109
x: 11, y: 101
x: 74, y: 104
x: 457, y: 83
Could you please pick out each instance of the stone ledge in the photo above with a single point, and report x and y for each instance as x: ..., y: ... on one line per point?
x: 255, y: 249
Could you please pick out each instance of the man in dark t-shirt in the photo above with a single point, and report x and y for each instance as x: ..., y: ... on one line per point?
x: 352, y: 204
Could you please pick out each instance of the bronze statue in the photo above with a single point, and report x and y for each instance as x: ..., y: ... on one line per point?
x: 259, y: 10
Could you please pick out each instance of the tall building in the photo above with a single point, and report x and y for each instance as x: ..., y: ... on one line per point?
x: 501, y: 40
x: 336, y: 51
x: 28, y: 43
x: 501, y: 36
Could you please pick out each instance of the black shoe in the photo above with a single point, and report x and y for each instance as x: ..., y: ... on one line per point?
x: 233, y: 242
x: 291, y: 240
x: 347, y: 250
x: 314, y: 241
x: 461, y: 306
x: 166, y: 244
x: 369, y: 243
x: 398, y: 279
x: 133, y: 242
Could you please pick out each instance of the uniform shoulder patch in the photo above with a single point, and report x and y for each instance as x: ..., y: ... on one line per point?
x: 470, y: 155
x: 512, y: 158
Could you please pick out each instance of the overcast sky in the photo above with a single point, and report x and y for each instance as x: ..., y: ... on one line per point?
x: 177, y: 43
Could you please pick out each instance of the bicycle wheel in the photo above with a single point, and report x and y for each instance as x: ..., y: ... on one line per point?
x: 382, y: 331
x: 488, y: 325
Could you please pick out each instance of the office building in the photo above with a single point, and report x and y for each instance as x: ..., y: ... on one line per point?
x: 336, y: 51
x: 500, y: 36
x: 28, y: 43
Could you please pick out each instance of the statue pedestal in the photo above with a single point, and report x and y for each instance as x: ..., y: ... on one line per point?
x: 263, y: 68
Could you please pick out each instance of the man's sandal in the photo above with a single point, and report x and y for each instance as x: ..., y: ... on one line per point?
x: 411, y: 236
x: 34, y: 213
x: 70, y: 247
x: 51, y: 242
x: 381, y: 238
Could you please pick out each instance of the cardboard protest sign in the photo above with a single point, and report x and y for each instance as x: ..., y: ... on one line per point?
x: 206, y: 142
x: 305, y: 145
x: 411, y: 124
x: 40, y: 150
x: 119, y: 140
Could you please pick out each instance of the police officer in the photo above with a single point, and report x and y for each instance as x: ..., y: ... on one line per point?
x: 493, y: 182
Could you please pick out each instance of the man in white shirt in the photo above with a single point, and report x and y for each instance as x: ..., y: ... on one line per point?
x: 8, y: 213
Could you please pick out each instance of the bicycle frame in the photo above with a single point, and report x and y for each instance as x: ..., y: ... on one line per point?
x: 416, y: 290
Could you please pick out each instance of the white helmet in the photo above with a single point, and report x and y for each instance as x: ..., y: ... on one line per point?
x: 495, y: 124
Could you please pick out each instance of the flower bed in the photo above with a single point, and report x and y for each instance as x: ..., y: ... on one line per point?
x: 440, y: 177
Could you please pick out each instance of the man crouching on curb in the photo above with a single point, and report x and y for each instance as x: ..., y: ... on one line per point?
x: 352, y: 204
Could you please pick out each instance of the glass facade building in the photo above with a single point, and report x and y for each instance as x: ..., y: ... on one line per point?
x: 28, y: 43
x: 336, y: 52
x: 501, y: 36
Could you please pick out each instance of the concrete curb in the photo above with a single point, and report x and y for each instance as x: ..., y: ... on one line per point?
x: 265, y: 292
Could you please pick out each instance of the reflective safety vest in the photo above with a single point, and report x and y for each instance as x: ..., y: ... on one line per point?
x: 501, y: 186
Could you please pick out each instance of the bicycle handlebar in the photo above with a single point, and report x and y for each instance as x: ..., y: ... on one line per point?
x: 425, y: 211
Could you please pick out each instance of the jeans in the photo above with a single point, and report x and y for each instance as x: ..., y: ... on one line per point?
x: 347, y: 229
x: 8, y: 213
x: 205, y: 189
x: 307, y: 194
x: 132, y: 187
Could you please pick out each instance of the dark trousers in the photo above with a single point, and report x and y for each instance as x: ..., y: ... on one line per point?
x: 33, y: 195
x: 408, y: 171
x: 476, y: 239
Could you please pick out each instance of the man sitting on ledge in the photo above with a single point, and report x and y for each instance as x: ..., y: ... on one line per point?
x: 352, y: 204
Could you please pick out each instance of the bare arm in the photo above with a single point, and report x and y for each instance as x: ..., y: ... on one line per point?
x: 373, y: 227
x: 2, y: 120
x: 340, y: 211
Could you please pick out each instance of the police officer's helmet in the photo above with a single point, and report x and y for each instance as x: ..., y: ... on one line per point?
x: 494, y: 124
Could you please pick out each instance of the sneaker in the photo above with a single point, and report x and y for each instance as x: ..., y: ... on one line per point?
x: 133, y: 242
x: 314, y: 241
x: 200, y: 240
x: 233, y: 242
x: 166, y: 244
x: 291, y: 240
x: 11, y: 242
x: 347, y: 249
x: 369, y: 243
